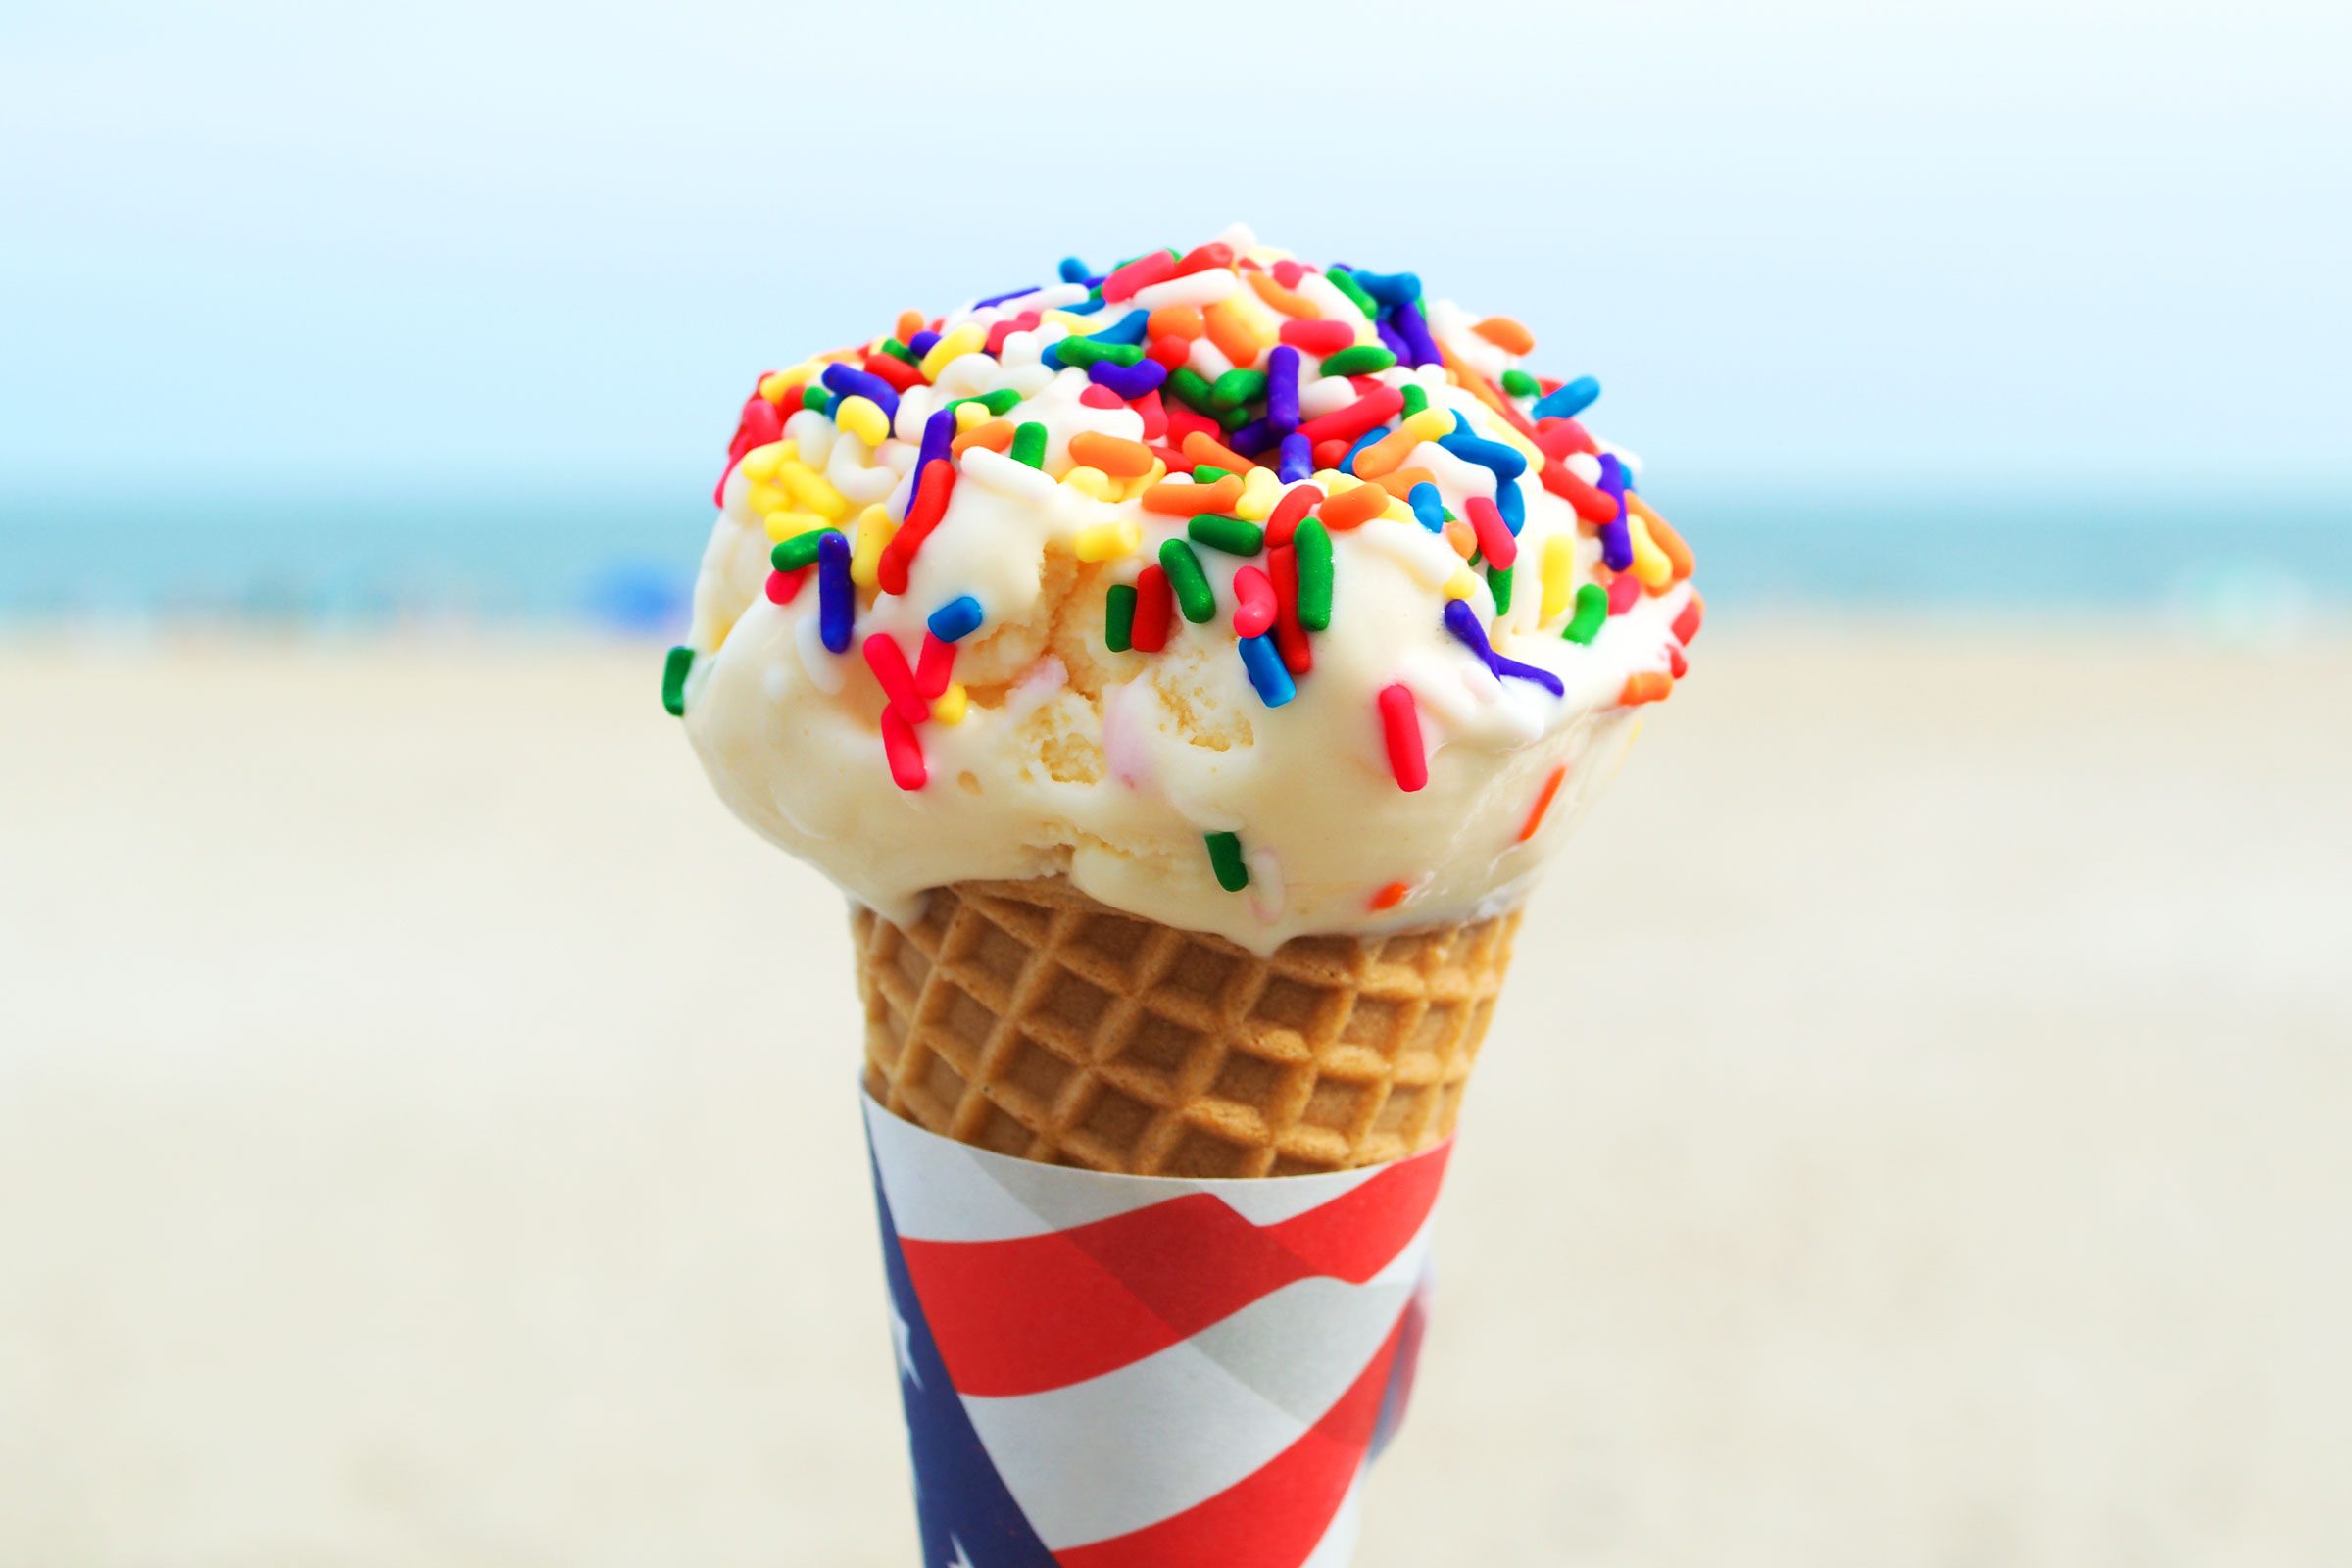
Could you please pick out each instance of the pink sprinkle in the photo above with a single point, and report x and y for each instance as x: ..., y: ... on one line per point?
x: 1254, y: 616
x: 1140, y: 274
x: 1098, y: 396
x: 1287, y: 273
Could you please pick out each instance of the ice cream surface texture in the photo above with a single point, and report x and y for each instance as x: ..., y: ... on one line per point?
x: 1257, y: 598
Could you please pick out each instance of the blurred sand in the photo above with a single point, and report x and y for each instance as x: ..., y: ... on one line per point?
x: 1916, y: 1134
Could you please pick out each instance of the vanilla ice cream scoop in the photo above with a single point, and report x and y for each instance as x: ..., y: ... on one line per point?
x: 1255, y: 597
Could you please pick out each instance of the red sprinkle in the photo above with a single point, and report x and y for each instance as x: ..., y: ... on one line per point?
x: 934, y: 667
x: 1678, y: 664
x: 1289, y: 272
x: 1026, y: 321
x: 1593, y: 505
x: 1296, y: 503
x: 1345, y: 424
x: 1535, y: 818
x: 1623, y: 589
x: 897, y: 371
x: 1183, y: 421
x: 1253, y: 614
x: 1152, y: 602
x: 1101, y: 397
x: 1154, y: 413
x: 1390, y: 897
x: 1170, y: 350
x: 1650, y: 686
x: 888, y: 662
x: 1556, y: 437
x: 1140, y: 274
x: 930, y: 504
x: 1494, y: 534
x: 1328, y: 454
x: 783, y: 587
x: 1201, y: 258
x: 1318, y: 337
x: 1400, y: 724
x: 1687, y: 624
x: 1290, y: 638
x: 904, y: 751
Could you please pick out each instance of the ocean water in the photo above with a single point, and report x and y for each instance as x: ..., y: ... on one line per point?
x: 624, y: 557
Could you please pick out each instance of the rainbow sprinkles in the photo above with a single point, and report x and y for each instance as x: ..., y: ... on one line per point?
x: 1217, y: 440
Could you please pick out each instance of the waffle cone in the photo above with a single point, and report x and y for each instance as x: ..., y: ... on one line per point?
x: 1027, y: 1018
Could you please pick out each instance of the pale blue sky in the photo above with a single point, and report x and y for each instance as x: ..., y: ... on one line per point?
x: 261, y: 244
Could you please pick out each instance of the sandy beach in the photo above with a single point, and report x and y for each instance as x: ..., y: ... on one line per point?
x: 1914, y: 1134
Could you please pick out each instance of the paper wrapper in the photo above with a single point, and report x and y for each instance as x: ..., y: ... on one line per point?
x: 1105, y: 1371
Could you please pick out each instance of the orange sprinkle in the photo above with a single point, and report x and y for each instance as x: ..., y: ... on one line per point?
x: 1386, y: 453
x: 1174, y: 321
x: 1463, y: 537
x: 1650, y: 686
x: 1485, y: 391
x: 1662, y: 534
x: 1352, y: 509
x: 910, y: 322
x: 995, y: 435
x: 1282, y: 299
x: 1400, y: 483
x: 1551, y: 787
x: 1390, y: 897
x: 1232, y: 335
x: 1202, y: 447
x: 1506, y: 334
x: 1120, y: 458
x: 1191, y: 500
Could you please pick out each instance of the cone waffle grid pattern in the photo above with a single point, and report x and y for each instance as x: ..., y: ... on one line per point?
x: 1026, y: 1019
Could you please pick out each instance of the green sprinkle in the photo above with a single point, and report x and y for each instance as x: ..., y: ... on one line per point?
x: 791, y: 555
x: 1233, y: 418
x: 1029, y: 444
x: 998, y: 403
x: 1232, y: 535
x: 1592, y: 608
x: 1313, y: 542
x: 1237, y: 387
x: 1210, y: 473
x: 1194, y: 596
x: 899, y: 351
x: 1416, y: 400
x: 813, y: 395
x: 1498, y: 581
x: 1346, y: 284
x: 1191, y: 390
x: 1362, y: 359
x: 1118, y: 618
x: 1225, y: 858
x: 673, y: 680
x: 1519, y: 384
x: 1085, y: 351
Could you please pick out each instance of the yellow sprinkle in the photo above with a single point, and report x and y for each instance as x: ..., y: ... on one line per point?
x: 971, y: 415
x: 1109, y: 541
x: 1261, y: 488
x: 784, y: 523
x: 1141, y: 482
x: 968, y: 338
x: 949, y: 706
x: 864, y: 418
x: 809, y: 489
x: 764, y: 499
x: 760, y: 462
x: 1262, y: 322
x: 1461, y: 585
x: 874, y: 528
x: 1089, y: 481
x: 1396, y: 510
x: 1559, y: 575
x: 772, y: 385
x: 1650, y: 565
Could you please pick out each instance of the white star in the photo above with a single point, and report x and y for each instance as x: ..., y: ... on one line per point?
x: 961, y: 1561
x: 904, y: 1333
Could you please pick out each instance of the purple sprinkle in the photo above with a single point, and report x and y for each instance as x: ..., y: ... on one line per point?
x: 1616, y: 534
x: 1281, y: 389
x: 1462, y: 621
x: 1128, y: 380
x: 999, y: 299
x: 1420, y: 347
x: 1392, y: 341
x: 1298, y: 460
x: 836, y: 605
x: 1255, y: 437
x: 924, y: 343
x: 939, y: 438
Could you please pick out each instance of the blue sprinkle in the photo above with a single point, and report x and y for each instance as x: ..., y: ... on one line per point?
x: 1572, y: 399
x: 1128, y: 380
x: 1462, y: 621
x: 924, y: 343
x: 1083, y: 307
x: 957, y: 620
x: 1394, y: 341
x: 1073, y: 271
x: 1281, y: 389
x: 1298, y: 460
x: 999, y: 299
x: 1503, y: 462
x: 1512, y: 505
x: 836, y: 605
x: 1126, y: 331
x: 1616, y: 534
x: 1347, y: 463
x: 848, y: 382
x: 1428, y: 507
x: 1390, y: 288
x: 1268, y: 672
x: 1414, y: 327
x: 939, y: 440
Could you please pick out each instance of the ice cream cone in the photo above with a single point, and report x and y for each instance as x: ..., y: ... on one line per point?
x: 1026, y: 1019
